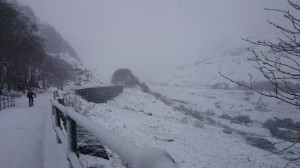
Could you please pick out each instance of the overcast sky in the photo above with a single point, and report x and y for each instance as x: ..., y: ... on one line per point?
x: 148, y: 36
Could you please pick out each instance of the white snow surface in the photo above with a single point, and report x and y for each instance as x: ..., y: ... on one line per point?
x: 147, y: 122
x: 26, y: 139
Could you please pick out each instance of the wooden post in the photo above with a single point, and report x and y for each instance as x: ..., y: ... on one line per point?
x: 4, y: 102
x: 53, y: 113
x: 57, y: 121
x: 72, y: 137
x: 11, y: 101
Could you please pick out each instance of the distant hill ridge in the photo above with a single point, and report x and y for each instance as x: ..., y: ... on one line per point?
x: 203, y: 71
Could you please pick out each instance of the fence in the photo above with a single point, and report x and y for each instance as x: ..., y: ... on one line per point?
x: 7, y: 101
x: 131, y: 154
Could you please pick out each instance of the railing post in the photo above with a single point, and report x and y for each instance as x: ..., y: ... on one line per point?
x: 53, y: 113
x: 72, y: 137
x: 4, y: 102
x: 13, y: 100
x: 57, y: 121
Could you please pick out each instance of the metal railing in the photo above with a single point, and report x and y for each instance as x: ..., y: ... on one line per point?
x: 131, y: 154
x: 7, y: 101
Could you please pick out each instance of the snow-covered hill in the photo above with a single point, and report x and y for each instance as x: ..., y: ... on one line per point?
x: 54, y: 43
x: 193, y: 143
x: 204, y: 70
x: 57, y: 46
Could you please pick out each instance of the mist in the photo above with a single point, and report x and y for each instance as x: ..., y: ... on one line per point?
x: 149, y: 37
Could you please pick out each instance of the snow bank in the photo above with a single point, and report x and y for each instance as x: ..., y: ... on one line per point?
x: 139, y: 158
x: 145, y: 121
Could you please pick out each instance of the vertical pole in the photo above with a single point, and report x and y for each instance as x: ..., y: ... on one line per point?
x: 4, y: 102
x: 52, y: 107
x: 72, y: 139
x: 57, y: 121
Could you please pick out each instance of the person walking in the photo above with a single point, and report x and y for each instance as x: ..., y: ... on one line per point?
x: 30, y: 96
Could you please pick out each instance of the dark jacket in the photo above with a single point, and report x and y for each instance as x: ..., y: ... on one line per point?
x: 31, y: 94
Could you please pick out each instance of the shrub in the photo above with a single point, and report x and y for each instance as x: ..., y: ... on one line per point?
x: 297, y: 124
x: 242, y: 119
x: 144, y: 87
x: 125, y: 78
x: 210, y: 113
x: 220, y: 86
x: 261, y: 105
x: 284, y: 123
x: 157, y: 95
x: 227, y: 130
x: 272, y: 125
x: 288, y: 123
x: 286, y: 135
x: 260, y: 143
x: 210, y: 120
x: 197, y: 115
x: 198, y: 124
x: 188, y: 111
x: 184, y: 109
x: 225, y: 116
x: 274, y: 131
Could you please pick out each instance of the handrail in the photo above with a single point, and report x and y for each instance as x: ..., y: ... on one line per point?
x: 7, y: 101
x: 130, y: 153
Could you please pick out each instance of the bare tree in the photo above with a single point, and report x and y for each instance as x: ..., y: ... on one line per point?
x: 279, y: 62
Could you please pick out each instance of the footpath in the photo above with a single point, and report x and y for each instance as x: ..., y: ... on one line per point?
x: 27, y: 139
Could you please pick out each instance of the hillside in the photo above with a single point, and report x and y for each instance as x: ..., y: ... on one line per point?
x: 195, y: 138
x: 56, y: 45
x: 203, y: 71
x: 33, y: 54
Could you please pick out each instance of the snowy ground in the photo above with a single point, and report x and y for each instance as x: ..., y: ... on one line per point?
x: 231, y: 102
x: 146, y: 121
x: 26, y: 139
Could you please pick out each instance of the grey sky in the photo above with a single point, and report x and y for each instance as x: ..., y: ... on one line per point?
x: 148, y: 36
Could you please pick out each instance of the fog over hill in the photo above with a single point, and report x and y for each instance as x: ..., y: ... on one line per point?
x: 54, y: 43
x: 150, y: 37
x: 57, y: 46
x: 204, y: 70
x: 33, y: 53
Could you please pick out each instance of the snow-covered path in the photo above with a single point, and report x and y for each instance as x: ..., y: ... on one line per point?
x: 22, y: 132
